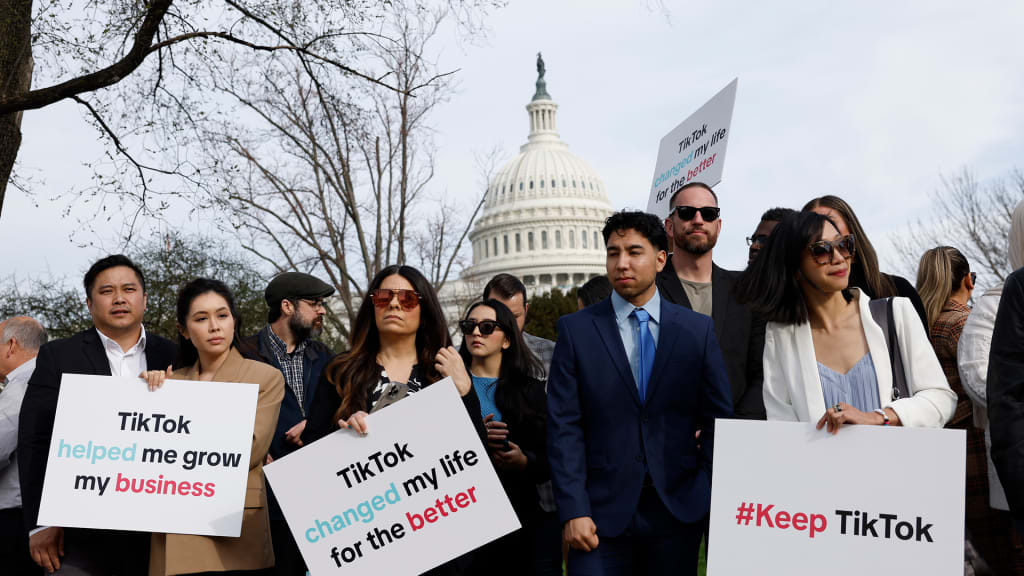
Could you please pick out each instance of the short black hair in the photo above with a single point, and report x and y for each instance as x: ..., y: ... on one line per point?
x: 770, y: 284
x: 504, y: 286
x: 776, y: 214
x: 689, y: 185
x: 274, y: 312
x: 595, y: 290
x: 648, y: 225
x: 112, y: 261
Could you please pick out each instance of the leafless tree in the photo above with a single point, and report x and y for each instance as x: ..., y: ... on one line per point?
x: 972, y: 217
x: 318, y: 173
x: 91, y: 46
x: 139, y: 69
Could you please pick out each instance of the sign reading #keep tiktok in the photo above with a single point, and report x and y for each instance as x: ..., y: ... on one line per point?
x: 789, y: 499
x: 413, y: 493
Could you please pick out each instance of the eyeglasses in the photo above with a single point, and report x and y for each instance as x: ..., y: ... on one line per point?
x: 407, y: 299
x: 822, y: 250
x: 974, y: 277
x: 708, y: 213
x: 487, y: 327
x: 314, y: 304
x: 757, y: 239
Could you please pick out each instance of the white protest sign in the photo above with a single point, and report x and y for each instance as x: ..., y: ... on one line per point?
x: 693, y: 150
x: 173, y: 460
x: 415, y: 492
x: 789, y: 499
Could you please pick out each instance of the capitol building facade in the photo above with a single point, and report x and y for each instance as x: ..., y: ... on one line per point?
x: 543, y: 212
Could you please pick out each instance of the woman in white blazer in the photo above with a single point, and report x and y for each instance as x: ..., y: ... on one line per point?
x: 825, y: 359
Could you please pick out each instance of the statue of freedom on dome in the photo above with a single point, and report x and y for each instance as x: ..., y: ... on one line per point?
x: 540, y: 66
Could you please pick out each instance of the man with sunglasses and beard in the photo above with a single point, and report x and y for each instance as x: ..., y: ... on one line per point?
x: 288, y: 343
x: 692, y: 279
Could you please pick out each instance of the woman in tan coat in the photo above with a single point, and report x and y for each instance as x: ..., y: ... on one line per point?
x: 209, y: 325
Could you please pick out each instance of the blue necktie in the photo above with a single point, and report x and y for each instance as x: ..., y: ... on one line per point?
x: 645, y: 351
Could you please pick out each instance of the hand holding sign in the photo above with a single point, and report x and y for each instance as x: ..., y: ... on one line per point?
x: 379, y: 499
x: 794, y: 499
x: 155, y: 378
x: 174, y: 460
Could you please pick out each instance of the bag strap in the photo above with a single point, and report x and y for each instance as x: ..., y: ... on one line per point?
x: 882, y: 313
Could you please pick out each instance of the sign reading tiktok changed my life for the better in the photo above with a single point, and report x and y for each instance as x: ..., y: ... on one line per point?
x: 415, y: 492
x: 173, y: 460
x: 694, y: 151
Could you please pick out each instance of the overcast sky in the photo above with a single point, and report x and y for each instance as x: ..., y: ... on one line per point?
x: 872, y: 101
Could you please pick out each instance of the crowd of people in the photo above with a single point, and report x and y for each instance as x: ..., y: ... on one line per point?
x: 603, y: 441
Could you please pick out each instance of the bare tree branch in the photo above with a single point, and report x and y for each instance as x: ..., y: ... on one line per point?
x: 972, y: 217
x: 35, y: 99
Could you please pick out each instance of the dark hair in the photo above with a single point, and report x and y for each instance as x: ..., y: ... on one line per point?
x: 187, y: 353
x: 354, y: 371
x: 517, y: 361
x: 648, y: 225
x: 770, y: 284
x: 112, y: 261
x: 595, y: 290
x: 504, y: 286
x: 694, y: 184
x: 776, y: 214
x: 865, y: 263
x: 274, y: 312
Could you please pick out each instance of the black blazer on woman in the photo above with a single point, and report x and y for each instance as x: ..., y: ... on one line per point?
x: 321, y: 421
x: 529, y: 432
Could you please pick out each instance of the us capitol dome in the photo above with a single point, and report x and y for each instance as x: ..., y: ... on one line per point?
x: 543, y: 211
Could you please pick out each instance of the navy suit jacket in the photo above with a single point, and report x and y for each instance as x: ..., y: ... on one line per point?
x: 600, y: 434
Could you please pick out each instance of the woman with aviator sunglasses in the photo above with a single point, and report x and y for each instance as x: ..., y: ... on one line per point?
x: 400, y: 345
x: 514, y: 409
x: 825, y: 359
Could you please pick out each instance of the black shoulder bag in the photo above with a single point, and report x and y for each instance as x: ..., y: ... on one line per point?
x: 881, y: 311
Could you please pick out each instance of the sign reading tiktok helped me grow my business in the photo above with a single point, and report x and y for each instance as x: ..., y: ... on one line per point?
x: 693, y: 151
x: 790, y: 499
x: 172, y: 460
x: 416, y: 491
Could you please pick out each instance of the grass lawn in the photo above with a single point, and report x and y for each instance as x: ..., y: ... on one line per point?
x: 702, y: 564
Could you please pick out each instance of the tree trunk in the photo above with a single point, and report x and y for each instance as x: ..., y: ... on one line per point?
x: 15, y: 77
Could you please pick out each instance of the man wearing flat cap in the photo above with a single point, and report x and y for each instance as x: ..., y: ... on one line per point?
x: 288, y: 342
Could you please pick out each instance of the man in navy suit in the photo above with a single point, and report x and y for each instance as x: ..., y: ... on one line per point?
x: 632, y: 380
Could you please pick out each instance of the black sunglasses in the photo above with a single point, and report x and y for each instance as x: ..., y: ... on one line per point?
x: 487, y: 327
x: 757, y: 239
x: 708, y: 213
x: 822, y: 250
x: 974, y: 277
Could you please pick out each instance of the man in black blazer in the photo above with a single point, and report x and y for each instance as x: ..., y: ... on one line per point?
x: 118, y: 345
x: 691, y: 279
x: 632, y: 380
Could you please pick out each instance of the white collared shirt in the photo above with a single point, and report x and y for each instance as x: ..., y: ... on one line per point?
x: 10, y: 408
x: 125, y: 363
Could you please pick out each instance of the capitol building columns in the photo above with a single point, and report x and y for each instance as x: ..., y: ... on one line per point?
x: 543, y: 211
